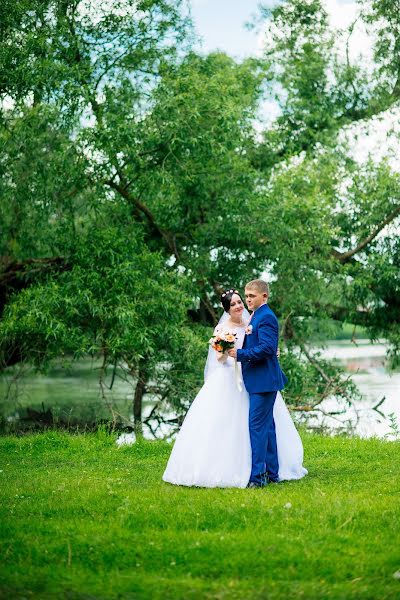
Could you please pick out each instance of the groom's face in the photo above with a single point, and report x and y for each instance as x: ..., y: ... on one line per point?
x: 254, y: 298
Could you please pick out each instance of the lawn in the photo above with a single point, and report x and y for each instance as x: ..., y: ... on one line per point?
x: 83, y: 519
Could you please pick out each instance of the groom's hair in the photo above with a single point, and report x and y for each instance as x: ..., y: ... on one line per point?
x: 259, y: 285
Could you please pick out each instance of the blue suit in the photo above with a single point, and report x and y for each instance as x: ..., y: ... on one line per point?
x: 263, y: 377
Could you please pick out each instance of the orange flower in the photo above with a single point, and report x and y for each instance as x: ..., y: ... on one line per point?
x: 229, y: 337
x: 218, y: 348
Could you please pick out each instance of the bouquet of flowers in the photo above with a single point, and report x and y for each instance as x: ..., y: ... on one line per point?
x: 222, y: 341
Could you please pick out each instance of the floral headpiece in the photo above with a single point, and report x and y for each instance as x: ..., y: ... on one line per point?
x: 229, y: 292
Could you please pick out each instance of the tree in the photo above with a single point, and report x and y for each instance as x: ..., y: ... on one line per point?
x: 339, y: 220
x: 125, y: 154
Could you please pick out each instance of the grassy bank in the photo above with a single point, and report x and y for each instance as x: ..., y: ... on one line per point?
x: 83, y: 519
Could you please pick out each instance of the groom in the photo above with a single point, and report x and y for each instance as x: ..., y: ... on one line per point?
x: 263, y: 377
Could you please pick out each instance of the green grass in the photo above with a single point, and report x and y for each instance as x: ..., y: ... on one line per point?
x: 83, y: 519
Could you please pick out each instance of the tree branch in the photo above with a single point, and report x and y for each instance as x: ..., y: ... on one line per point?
x: 13, y: 270
x: 344, y: 257
x: 315, y: 364
x: 161, y: 232
x: 351, y: 30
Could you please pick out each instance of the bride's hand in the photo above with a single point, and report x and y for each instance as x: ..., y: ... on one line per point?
x: 222, y: 357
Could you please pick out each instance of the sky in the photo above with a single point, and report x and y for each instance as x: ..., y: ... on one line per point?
x: 221, y: 26
x: 221, y: 23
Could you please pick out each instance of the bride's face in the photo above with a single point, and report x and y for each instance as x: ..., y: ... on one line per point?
x: 237, y: 307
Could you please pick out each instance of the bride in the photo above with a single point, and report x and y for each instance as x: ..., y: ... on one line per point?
x: 212, y: 448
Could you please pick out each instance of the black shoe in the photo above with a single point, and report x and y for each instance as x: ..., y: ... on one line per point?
x: 273, y: 480
x: 253, y: 484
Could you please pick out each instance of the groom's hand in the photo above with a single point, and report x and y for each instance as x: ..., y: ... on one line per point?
x: 232, y: 352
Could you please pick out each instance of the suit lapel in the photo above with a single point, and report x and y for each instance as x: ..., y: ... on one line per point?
x: 253, y: 321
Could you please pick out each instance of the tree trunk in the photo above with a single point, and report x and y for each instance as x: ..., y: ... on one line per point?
x: 138, y: 400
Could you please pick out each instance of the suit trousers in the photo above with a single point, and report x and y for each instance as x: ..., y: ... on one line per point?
x: 263, y: 437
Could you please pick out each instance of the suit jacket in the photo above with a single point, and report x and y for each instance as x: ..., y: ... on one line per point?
x: 260, y: 366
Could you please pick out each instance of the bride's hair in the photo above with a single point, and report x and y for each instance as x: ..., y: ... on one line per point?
x: 226, y: 298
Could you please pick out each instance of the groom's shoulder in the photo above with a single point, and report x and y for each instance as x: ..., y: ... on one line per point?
x: 268, y: 313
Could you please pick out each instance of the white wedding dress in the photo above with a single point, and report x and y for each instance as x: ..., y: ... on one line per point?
x: 212, y: 448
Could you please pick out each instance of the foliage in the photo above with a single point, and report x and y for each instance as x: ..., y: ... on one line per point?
x: 131, y: 172
x: 101, y: 303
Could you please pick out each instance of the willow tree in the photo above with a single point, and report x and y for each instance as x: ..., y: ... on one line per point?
x: 77, y: 276
x: 333, y: 223
x: 122, y: 144
x: 115, y: 119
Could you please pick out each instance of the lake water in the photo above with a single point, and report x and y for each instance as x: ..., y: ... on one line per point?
x: 369, y: 416
x: 73, y: 394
